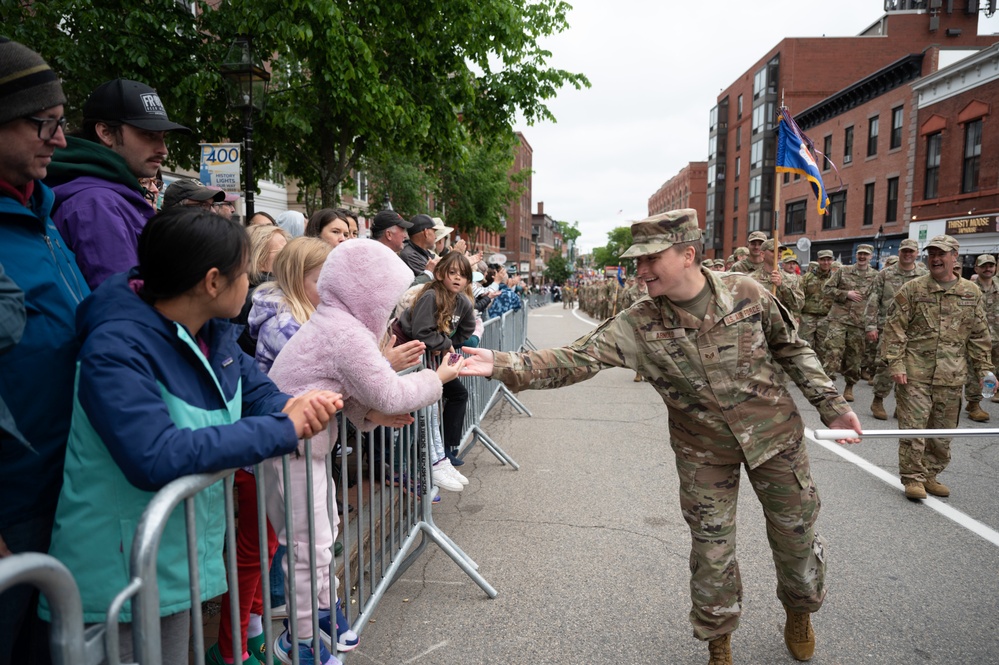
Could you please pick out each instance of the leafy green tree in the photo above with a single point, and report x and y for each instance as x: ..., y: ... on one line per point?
x: 618, y: 240
x: 402, y: 179
x: 420, y: 76
x: 558, y: 270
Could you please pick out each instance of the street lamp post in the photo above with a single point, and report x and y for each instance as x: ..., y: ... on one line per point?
x: 879, y: 243
x: 247, y: 88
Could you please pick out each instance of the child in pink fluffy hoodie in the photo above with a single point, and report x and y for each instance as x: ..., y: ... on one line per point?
x: 338, y: 349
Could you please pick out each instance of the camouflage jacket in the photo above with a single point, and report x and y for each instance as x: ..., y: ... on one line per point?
x: 788, y: 293
x: 844, y: 280
x: 883, y: 291
x: 991, y: 296
x: 931, y: 333
x: 724, y: 380
x: 817, y: 303
x: 744, y: 266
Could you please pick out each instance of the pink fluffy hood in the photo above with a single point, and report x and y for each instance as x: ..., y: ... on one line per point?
x: 337, y: 349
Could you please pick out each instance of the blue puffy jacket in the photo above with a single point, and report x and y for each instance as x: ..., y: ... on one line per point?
x: 149, y: 408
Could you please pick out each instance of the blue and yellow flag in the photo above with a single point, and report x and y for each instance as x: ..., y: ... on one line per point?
x: 794, y: 155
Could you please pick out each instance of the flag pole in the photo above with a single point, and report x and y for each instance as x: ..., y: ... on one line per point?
x: 776, y: 217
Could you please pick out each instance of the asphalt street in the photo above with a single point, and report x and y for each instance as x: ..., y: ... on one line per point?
x: 588, y: 551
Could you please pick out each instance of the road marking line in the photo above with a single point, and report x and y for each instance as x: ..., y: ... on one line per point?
x: 589, y: 323
x: 947, y: 511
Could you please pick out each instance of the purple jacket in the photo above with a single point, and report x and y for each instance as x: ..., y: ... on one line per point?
x: 101, y: 221
x: 271, y: 323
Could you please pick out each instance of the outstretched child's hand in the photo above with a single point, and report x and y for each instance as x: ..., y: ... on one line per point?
x: 451, y: 364
x: 405, y: 355
x: 311, y: 411
x: 389, y: 420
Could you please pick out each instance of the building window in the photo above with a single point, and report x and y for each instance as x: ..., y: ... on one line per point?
x: 713, y: 119
x: 711, y: 175
x: 502, y: 240
x: 735, y: 229
x: 759, y: 84
x: 872, y: 136
x: 835, y: 217
x: 931, y: 190
x: 754, y: 222
x: 891, y: 213
x: 869, y: 204
x: 848, y: 145
x: 826, y: 151
x: 759, y: 114
x: 738, y: 167
x: 896, y: 128
x: 739, y: 106
x: 972, y: 155
x: 361, y: 180
x: 738, y: 136
x: 756, y: 155
x: 754, y: 189
x: 735, y: 199
x: 794, y: 218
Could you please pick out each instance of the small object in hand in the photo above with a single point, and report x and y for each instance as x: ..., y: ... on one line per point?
x: 989, y: 385
x: 453, y: 358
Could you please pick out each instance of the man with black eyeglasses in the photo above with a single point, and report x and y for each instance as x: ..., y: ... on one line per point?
x: 36, y: 374
x: 100, y: 205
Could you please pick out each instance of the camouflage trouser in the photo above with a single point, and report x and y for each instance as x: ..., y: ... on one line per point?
x: 813, y: 331
x: 790, y: 501
x: 883, y: 382
x: 869, y: 362
x: 973, y: 388
x: 844, y: 351
x: 924, y: 406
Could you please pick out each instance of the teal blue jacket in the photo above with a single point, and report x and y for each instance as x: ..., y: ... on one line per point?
x: 149, y: 407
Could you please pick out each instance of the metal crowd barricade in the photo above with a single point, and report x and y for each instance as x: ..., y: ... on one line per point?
x: 393, y: 526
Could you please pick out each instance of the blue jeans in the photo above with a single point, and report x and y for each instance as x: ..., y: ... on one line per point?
x: 22, y: 632
x: 277, y: 578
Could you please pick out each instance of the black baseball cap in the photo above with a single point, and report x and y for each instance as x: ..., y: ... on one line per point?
x: 386, y: 219
x: 419, y: 223
x: 182, y: 190
x: 131, y: 103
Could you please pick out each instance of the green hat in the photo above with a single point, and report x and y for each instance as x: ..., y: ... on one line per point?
x: 757, y: 235
x: 660, y: 232
x: 891, y: 260
x: 740, y: 253
x: 865, y: 248
x: 719, y: 263
x: 825, y: 254
x: 908, y: 243
x: 985, y: 258
x: 708, y: 263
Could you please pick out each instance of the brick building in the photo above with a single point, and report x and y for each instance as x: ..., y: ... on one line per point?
x: 546, y: 238
x: 956, y: 159
x: 687, y: 189
x: 804, y: 71
x: 516, y: 243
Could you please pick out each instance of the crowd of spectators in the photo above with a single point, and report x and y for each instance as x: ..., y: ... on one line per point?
x: 150, y: 319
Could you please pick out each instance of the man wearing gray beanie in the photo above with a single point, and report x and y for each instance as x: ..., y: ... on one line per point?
x: 100, y: 206
x: 36, y: 375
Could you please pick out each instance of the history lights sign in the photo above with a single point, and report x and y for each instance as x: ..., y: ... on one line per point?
x: 967, y: 225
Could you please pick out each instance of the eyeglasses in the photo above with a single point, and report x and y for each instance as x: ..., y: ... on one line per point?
x: 224, y: 204
x: 47, y: 127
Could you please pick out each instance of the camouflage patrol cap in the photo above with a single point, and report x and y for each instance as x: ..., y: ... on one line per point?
x: 707, y: 263
x: 813, y: 265
x: 985, y: 258
x: 865, y: 248
x: 660, y: 232
x: 719, y: 263
x: 944, y: 242
x: 908, y: 243
x: 730, y: 259
x: 825, y: 254
x: 768, y: 245
x: 757, y: 235
x: 891, y: 260
x: 740, y: 253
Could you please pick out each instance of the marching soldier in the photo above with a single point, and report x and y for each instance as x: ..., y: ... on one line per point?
x: 848, y: 287
x: 754, y: 255
x: 985, y: 269
x: 935, y: 331
x: 817, y: 304
x: 883, y: 290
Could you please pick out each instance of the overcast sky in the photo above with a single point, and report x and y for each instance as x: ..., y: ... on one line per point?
x: 656, y: 71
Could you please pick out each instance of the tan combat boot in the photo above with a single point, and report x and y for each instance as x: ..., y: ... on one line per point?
x: 798, y: 634
x: 995, y: 399
x: 848, y: 392
x: 935, y: 487
x: 914, y: 490
x: 720, y: 650
x: 975, y: 412
x: 878, y: 409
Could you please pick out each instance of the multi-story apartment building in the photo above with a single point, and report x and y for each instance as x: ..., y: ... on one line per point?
x: 801, y: 72
x: 687, y: 189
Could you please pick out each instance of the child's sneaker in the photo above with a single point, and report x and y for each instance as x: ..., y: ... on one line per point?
x: 306, y: 654
x: 346, y: 639
x: 449, y: 468
x: 443, y: 479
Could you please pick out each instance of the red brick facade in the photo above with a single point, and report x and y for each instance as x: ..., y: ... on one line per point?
x: 687, y: 189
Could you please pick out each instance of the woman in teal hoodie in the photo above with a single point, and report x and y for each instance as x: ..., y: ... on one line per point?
x: 164, y: 391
